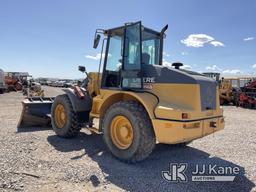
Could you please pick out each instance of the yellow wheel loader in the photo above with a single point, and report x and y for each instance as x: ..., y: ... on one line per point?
x: 226, y: 91
x: 137, y: 101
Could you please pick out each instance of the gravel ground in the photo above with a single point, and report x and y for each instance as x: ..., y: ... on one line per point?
x: 35, y: 159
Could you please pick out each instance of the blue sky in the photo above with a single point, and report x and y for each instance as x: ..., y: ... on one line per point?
x: 51, y: 37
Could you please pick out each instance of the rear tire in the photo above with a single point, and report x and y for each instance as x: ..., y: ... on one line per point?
x: 143, y: 140
x: 68, y: 126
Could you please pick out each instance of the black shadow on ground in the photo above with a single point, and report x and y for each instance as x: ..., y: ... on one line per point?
x: 32, y: 129
x: 146, y: 175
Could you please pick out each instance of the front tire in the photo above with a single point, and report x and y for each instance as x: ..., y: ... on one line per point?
x: 128, y: 132
x: 64, y: 120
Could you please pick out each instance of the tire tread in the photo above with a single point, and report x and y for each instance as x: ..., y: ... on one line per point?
x: 147, y: 139
x: 75, y: 127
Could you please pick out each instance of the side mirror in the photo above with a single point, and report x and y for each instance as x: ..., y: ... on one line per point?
x: 82, y: 69
x: 96, y: 41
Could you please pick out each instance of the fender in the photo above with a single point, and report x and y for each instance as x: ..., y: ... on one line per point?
x: 79, y: 105
x: 148, y: 100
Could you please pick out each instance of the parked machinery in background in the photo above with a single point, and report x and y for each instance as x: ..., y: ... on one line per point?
x: 236, y: 85
x: 231, y: 89
x: 247, y: 95
x: 2, y: 82
x: 42, y: 81
x: 226, y: 91
x: 239, y: 91
x: 32, y: 88
x: 12, y: 82
x: 15, y: 80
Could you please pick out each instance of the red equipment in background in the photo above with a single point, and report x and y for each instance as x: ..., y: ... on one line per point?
x: 15, y: 80
x: 247, y: 95
x: 12, y: 83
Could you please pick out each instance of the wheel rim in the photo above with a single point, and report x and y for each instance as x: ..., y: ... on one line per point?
x: 60, y: 116
x: 121, y: 132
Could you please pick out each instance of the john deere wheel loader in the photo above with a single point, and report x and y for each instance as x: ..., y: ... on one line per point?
x: 138, y: 101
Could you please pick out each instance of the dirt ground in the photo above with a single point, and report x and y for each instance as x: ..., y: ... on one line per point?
x: 35, y: 159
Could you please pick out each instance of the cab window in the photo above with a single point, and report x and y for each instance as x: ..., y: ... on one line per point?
x: 150, y: 48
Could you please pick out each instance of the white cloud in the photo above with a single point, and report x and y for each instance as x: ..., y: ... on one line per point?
x: 213, y: 68
x: 199, y: 40
x: 166, y: 63
x: 184, y: 53
x: 217, y: 44
x: 97, y: 56
x: 187, y: 67
x: 232, y: 71
x: 254, y: 66
x: 249, y: 39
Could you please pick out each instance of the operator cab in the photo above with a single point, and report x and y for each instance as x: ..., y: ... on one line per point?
x: 128, y: 48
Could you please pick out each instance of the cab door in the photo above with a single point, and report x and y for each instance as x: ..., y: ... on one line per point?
x: 131, y: 68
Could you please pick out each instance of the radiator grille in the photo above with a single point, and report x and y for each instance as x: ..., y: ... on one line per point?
x: 208, y: 95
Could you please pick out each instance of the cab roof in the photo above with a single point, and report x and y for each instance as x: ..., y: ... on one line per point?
x: 121, y: 28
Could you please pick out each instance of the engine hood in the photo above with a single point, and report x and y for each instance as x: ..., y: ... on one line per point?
x: 166, y: 75
x: 162, y: 74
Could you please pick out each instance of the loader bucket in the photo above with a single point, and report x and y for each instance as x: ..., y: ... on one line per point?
x: 36, y: 112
